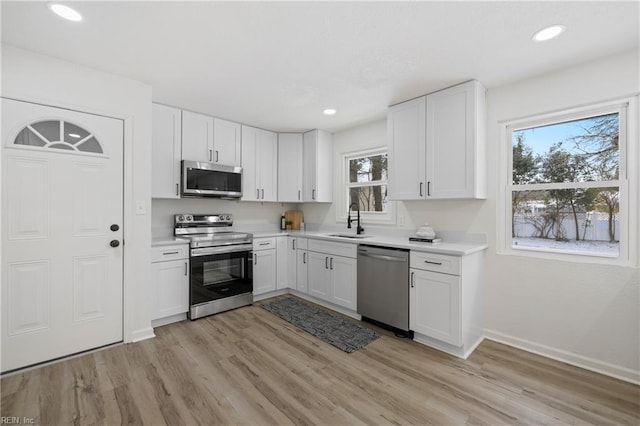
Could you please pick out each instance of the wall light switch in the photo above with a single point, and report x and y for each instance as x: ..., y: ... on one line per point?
x: 140, y: 207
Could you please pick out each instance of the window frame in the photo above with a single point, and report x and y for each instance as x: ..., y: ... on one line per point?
x: 374, y: 218
x: 626, y: 183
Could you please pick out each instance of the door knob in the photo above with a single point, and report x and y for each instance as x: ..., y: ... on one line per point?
x: 114, y: 243
x: 114, y: 227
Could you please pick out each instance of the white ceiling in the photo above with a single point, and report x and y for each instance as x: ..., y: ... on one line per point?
x: 278, y: 65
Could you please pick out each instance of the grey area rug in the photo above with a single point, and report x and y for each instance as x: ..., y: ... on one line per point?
x: 333, y: 329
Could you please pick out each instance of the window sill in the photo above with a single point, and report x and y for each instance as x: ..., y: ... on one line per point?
x: 565, y: 256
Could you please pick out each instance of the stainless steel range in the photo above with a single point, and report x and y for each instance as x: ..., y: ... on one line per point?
x: 221, y: 267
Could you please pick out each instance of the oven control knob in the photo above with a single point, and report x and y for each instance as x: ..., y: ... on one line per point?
x: 228, y: 217
x: 181, y: 218
x: 189, y: 218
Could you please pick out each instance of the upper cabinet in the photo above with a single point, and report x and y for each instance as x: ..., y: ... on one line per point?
x: 317, y: 166
x: 210, y: 139
x: 259, y: 164
x: 226, y: 142
x: 166, y: 151
x: 197, y: 137
x: 437, y: 145
x: 290, y: 167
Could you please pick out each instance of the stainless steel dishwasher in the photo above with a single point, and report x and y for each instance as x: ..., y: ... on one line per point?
x: 383, y: 286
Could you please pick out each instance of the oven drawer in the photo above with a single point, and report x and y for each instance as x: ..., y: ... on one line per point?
x: 164, y: 253
x: 264, y: 243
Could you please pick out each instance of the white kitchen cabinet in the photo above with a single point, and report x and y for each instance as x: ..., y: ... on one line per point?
x: 259, y: 164
x: 437, y: 145
x: 319, y: 276
x: 170, y: 280
x: 302, y: 270
x: 264, y: 265
x: 166, y: 151
x: 290, y: 165
x: 317, y: 166
x: 445, y: 301
x: 298, y: 261
x: 209, y: 139
x: 331, y: 276
x: 197, y: 137
x: 283, y: 263
x: 406, y: 138
x: 434, y: 306
x: 226, y: 142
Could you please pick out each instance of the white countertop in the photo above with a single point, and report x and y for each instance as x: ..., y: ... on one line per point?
x: 168, y: 241
x: 452, y: 248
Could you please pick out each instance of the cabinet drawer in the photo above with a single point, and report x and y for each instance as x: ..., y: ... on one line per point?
x: 264, y: 243
x: 337, y: 249
x: 435, y: 262
x: 164, y: 253
x: 300, y: 243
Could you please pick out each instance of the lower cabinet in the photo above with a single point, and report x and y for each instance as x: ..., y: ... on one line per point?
x: 264, y: 265
x: 170, y: 281
x: 302, y: 270
x: 333, y: 278
x: 434, y: 308
x: 445, y: 301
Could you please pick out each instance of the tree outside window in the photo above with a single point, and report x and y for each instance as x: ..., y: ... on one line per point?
x: 367, y: 182
x: 565, y: 185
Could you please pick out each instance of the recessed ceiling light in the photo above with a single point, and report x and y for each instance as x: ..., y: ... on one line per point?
x: 548, y: 33
x: 329, y: 111
x: 65, y: 12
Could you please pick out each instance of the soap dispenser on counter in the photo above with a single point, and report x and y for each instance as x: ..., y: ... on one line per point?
x: 283, y: 223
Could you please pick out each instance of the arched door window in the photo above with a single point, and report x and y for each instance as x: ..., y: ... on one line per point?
x: 58, y: 134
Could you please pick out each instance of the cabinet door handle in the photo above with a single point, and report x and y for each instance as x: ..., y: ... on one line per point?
x: 166, y: 253
x: 186, y: 268
x: 421, y: 189
x: 257, y: 194
x: 313, y: 194
x: 263, y: 193
x: 210, y: 155
x: 217, y: 156
x: 331, y: 263
x: 429, y: 189
x: 177, y: 189
x: 413, y: 282
x: 293, y: 244
x: 264, y: 244
x: 433, y: 263
x: 255, y: 258
x: 326, y: 264
x: 298, y: 195
x: 304, y: 257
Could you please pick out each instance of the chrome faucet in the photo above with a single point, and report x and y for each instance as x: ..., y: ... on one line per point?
x: 359, y: 229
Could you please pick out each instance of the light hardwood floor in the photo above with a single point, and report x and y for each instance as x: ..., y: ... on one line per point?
x: 249, y: 367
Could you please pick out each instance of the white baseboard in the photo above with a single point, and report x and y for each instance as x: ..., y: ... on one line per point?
x: 591, y: 364
x: 458, y: 351
x: 142, y: 334
x: 168, y: 320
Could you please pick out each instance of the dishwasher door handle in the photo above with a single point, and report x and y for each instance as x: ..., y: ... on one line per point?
x: 383, y: 257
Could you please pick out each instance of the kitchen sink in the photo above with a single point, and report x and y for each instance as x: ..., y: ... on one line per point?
x: 349, y: 236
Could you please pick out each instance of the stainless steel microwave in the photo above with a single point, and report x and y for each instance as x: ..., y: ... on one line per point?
x: 211, y: 180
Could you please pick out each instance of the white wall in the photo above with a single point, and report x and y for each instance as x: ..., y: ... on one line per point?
x: 586, y: 314
x: 246, y: 215
x: 42, y: 79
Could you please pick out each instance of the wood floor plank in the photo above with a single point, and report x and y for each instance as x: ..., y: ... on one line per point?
x: 247, y: 367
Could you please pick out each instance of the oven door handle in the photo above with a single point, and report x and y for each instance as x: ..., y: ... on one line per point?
x: 205, y: 251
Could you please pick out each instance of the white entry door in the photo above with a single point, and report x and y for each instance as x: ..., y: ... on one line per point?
x: 62, y: 212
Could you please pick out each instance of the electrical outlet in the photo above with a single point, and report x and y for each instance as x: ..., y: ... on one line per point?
x: 140, y: 207
x: 401, y: 220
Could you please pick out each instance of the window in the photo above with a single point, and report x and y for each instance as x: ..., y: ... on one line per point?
x: 567, y: 187
x: 58, y: 134
x: 365, y: 184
